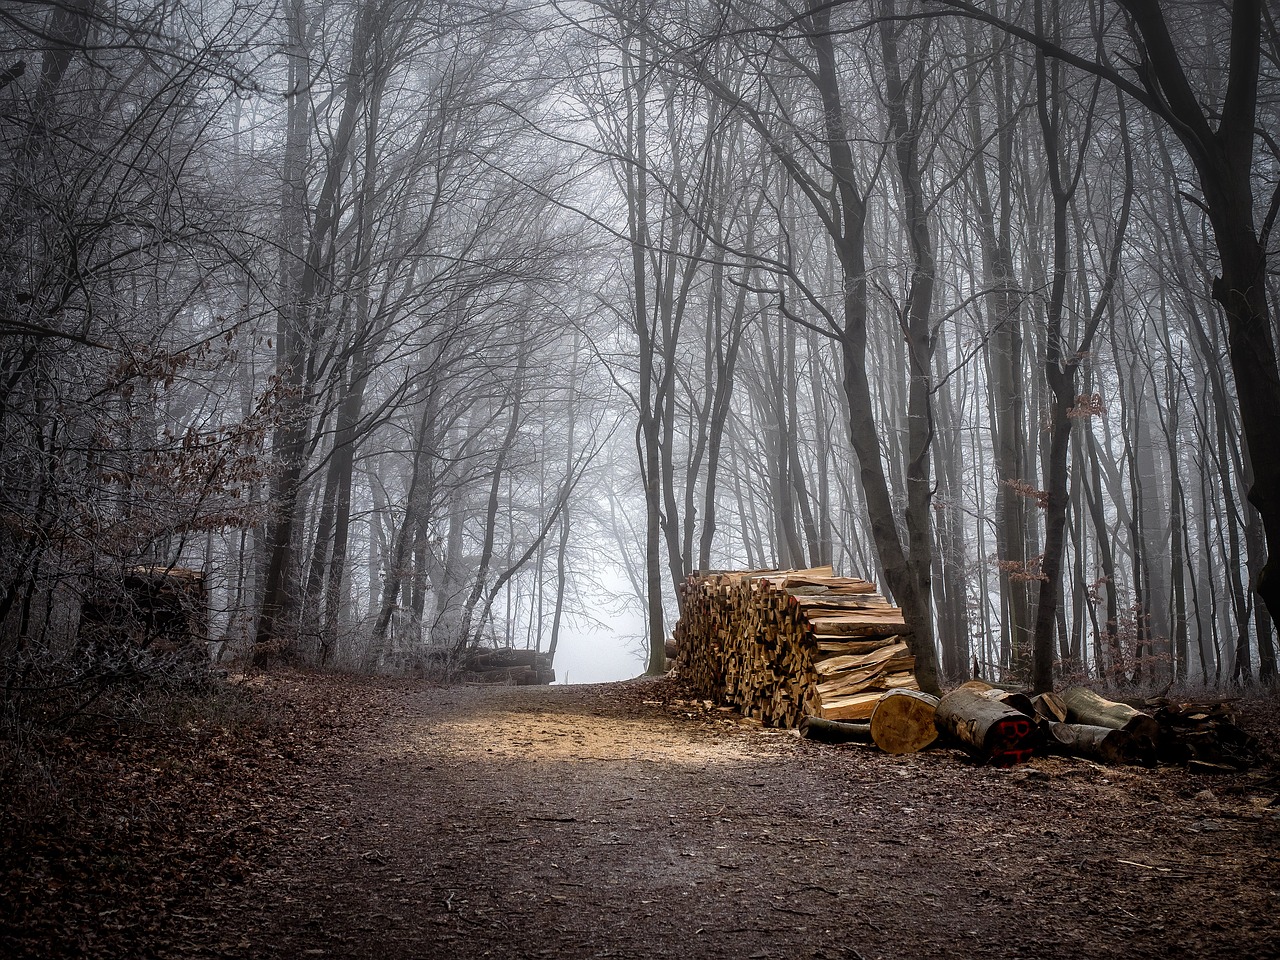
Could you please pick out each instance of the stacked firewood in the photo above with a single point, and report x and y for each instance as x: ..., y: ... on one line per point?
x: 783, y: 645
x: 510, y: 666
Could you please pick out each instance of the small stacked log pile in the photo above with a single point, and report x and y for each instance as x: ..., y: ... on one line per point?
x: 783, y: 645
x: 1203, y: 735
x: 514, y: 667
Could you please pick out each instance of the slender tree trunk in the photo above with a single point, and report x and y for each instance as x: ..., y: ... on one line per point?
x: 1005, y: 377
x: 908, y: 581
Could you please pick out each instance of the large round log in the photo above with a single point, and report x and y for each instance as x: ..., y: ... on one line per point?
x: 903, y: 721
x: 1105, y: 744
x: 988, y: 730
x: 1085, y: 706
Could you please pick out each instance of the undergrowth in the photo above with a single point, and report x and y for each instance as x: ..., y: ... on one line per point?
x: 123, y: 791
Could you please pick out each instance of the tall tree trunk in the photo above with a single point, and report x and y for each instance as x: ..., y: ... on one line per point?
x: 1221, y: 145
x: 908, y: 580
x: 1060, y: 363
x: 290, y: 440
x: 1005, y: 364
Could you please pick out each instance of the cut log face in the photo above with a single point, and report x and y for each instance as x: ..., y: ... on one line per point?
x: 988, y: 730
x: 1050, y: 707
x: 903, y: 721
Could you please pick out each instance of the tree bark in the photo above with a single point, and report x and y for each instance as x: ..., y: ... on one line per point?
x: 908, y: 580
x: 988, y: 730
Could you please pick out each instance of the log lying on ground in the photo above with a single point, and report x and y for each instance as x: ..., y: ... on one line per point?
x: 835, y: 731
x: 780, y: 645
x: 988, y: 730
x: 1085, y: 706
x: 1009, y: 697
x: 903, y: 721
x: 1104, y: 744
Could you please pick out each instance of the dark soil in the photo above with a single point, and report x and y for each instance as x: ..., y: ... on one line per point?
x: 392, y: 819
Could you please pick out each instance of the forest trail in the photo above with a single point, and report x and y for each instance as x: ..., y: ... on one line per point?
x: 616, y: 821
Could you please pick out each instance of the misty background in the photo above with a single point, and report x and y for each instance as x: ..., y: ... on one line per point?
x: 420, y: 326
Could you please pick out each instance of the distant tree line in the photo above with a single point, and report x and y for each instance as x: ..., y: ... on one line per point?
x: 418, y: 326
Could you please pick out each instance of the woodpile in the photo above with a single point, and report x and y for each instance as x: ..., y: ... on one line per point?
x: 513, y: 667
x: 1203, y: 735
x: 165, y: 609
x: 783, y: 645
x: 830, y: 656
x: 1004, y: 728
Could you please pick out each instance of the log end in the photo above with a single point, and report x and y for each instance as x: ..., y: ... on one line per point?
x: 903, y: 721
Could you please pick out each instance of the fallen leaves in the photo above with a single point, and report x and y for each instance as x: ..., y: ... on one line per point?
x: 118, y: 832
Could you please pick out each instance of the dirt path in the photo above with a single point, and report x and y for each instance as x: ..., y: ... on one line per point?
x: 609, y: 821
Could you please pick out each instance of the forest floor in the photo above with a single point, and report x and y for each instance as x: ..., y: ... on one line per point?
x: 322, y: 816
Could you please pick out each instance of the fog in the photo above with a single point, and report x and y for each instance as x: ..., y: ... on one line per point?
x: 426, y: 329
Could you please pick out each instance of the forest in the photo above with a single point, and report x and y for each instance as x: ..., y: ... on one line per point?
x: 422, y: 325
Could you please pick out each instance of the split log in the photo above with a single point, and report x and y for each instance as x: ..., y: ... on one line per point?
x: 903, y: 721
x: 1085, y: 706
x: 835, y: 731
x: 1010, y: 697
x: 782, y: 645
x: 988, y: 730
x: 839, y: 664
x: 1049, y: 707
x: 1016, y: 699
x: 1104, y: 744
